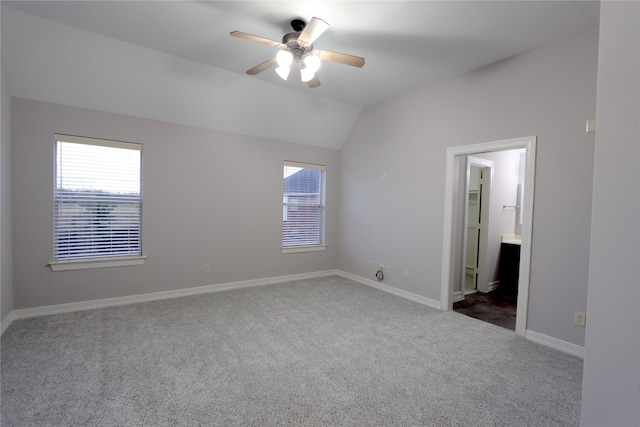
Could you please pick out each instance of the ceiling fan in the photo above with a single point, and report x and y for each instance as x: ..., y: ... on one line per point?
x: 297, y: 48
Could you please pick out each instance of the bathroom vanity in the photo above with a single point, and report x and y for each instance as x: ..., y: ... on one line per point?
x: 509, y: 268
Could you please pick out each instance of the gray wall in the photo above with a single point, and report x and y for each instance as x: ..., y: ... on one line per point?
x: 6, y: 268
x: 610, y: 392
x: 209, y: 197
x: 548, y: 92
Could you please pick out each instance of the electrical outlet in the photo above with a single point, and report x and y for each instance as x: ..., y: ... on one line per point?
x: 368, y: 264
x: 387, y: 269
x: 579, y: 318
x: 205, y: 269
x: 591, y: 125
x: 406, y: 274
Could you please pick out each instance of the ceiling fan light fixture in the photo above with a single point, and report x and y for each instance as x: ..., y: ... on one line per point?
x: 283, y: 72
x: 306, y: 74
x: 312, y: 62
x: 284, y: 58
x: 297, y: 47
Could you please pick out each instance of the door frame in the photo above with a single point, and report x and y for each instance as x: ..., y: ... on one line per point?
x: 448, y: 245
x: 485, y: 216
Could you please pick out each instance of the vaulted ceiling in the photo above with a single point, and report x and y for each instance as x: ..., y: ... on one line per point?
x: 175, y: 60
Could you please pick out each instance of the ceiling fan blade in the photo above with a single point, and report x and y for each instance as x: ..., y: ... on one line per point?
x: 312, y: 31
x: 251, y: 37
x: 342, y: 58
x: 314, y: 82
x: 261, y: 67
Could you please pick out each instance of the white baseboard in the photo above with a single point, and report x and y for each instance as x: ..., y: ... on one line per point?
x: 6, y: 322
x: 558, y: 344
x: 395, y: 291
x: 564, y: 346
x: 492, y: 286
x: 458, y: 296
x: 133, y: 299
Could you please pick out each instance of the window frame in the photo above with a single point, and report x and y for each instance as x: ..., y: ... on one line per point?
x: 322, y: 206
x: 113, y: 260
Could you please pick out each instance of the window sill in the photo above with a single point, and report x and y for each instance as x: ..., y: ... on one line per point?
x: 301, y: 248
x: 83, y: 264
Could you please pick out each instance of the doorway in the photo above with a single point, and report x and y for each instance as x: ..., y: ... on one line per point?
x: 452, y: 250
x: 485, y: 292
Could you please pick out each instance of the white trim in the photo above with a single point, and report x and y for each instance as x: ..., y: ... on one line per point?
x: 555, y: 343
x: 395, y: 291
x: 133, y: 299
x: 446, y: 289
x: 83, y: 264
x: 304, y: 165
x: 457, y: 296
x: 303, y: 248
x: 99, y: 142
x: 6, y: 322
x: 527, y: 234
x: 563, y: 346
x: 492, y: 286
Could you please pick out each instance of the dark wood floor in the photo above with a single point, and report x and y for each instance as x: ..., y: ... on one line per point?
x: 492, y: 307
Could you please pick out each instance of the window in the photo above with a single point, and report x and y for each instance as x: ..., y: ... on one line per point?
x: 97, y: 203
x: 303, y: 210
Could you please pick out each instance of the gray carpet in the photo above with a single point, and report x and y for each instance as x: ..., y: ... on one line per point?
x: 317, y: 352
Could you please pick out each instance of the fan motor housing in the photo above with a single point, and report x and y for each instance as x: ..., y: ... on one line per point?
x: 291, y: 41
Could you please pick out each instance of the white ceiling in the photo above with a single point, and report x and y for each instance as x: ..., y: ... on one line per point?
x: 407, y: 45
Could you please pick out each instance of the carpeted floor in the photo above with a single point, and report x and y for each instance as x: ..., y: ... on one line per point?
x: 317, y: 352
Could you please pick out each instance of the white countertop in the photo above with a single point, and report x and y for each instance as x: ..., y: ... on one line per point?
x: 512, y: 239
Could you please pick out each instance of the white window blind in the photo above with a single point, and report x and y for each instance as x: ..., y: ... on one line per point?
x: 97, y: 198
x: 303, y: 204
